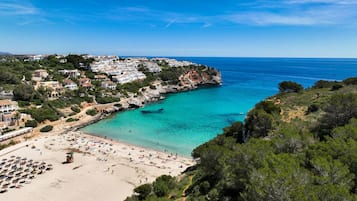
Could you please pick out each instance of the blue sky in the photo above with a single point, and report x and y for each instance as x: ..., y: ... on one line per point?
x: 254, y: 28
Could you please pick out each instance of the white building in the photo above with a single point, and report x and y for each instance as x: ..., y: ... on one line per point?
x: 121, y: 70
x: 8, y: 114
x: 69, y: 84
x: 126, y: 78
x: 39, y: 75
x: 7, y: 106
x: 152, y: 66
x: 71, y: 73
x: 109, y: 85
x: 38, y: 57
x: 172, y: 62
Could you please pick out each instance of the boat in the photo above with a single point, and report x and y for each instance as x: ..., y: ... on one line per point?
x: 152, y: 111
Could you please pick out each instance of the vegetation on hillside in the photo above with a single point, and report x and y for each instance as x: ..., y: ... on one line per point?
x: 51, y: 101
x: 297, y: 145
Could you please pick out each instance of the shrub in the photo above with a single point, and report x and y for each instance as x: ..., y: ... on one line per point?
x: 323, y: 84
x: 24, y: 92
x: 23, y: 103
x: 338, y: 112
x: 312, y: 108
x: 75, y: 109
x: 91, y: 112
x: 87, y: 99
x: 350, y: 81
x: 289, y: 86
x: 71, y: 119
x: 107, y: 99
x: 46, y: 128
x: 152, y: 86
x: 336, y: 87
x: 43, y: 113
x: 58, y: 103
x: 117, y: 105
x: 163, y: 184
x: 31, y: 123
x: 258, y: 123
x: 268, y: 106
x: 143, y: 190
x: 72, y: 113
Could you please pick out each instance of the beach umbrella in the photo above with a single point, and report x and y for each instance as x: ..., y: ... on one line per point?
x: 3, y: 190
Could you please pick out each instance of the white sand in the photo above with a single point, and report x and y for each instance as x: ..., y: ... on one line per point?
x: 105, y: 170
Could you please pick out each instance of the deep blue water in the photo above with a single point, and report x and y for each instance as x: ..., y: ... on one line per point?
x: 192, y: 118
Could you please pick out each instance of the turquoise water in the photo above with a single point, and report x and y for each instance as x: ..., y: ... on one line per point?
x: 192, y: 118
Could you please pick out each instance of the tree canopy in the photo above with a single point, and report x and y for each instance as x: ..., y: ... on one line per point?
x: 289, y: 86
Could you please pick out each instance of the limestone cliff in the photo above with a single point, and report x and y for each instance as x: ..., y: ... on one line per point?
x: 193, y: 78
x: 190, y: 80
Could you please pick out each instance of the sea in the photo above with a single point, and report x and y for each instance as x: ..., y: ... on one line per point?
x: 185, y: 120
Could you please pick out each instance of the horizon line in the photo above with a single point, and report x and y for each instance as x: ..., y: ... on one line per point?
x: 190, y: 56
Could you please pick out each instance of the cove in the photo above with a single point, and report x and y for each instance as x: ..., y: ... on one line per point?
x: 189, y: 119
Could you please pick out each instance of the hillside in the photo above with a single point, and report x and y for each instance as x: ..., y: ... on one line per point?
x: 5, y: 53
x: 300, y: 144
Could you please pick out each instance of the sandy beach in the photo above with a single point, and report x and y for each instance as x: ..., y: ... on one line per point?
x: 102, y: 169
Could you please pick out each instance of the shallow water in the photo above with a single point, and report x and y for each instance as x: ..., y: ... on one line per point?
x: 191, y: 118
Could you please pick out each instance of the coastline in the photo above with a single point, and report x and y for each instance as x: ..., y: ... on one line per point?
x: 119, y: 165
x: 115, y: 166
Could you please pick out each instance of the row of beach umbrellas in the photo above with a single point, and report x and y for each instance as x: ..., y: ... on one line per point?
x: 16, y: 171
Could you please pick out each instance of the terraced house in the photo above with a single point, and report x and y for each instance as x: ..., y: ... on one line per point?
x: 8, y: 114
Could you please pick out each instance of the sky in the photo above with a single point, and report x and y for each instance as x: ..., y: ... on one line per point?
x: 231, y: 28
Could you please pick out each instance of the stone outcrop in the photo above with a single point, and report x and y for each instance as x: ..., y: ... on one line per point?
x: 190, y: 80
x: 194, y: 79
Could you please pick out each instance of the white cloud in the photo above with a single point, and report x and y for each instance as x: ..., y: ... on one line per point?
x: 254, y: 18
x: 170, y: 23
x: 206, y: 25
x: 341, y: 2
x: 298, y: 13
x: 17, y: 9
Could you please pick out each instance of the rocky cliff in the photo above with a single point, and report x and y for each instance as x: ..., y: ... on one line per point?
x: 194, y: 78
x: 190, y: 80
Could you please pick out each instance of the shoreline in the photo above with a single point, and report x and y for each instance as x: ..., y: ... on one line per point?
x: 107, y: 115
x: 98, y: 161
x: 116, y: 166
x: 108, y: 163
